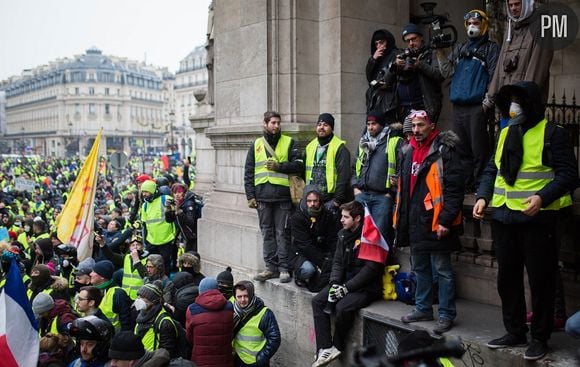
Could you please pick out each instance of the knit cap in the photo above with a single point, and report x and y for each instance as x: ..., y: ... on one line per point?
x: 104, y: 268
x: 42, y: 303
x: 411, y: 29
x: 151, y: 291
x: 328, y: 118
x: 126, y: 346
x: 85, y: 267
x: 149, y: 186
x: 207, y: 284
x: 376, y: 116
x: 407, y: 124
x: 226, y: 276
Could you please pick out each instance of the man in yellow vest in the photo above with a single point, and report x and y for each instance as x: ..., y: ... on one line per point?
x: 158, y: 216
x: 256, y: 332
x: 428, y: 216
x: 527, y: 182
x: 116, y: 304
x: 269, y: 161
x: 327, y: 165
x: 375, y: 169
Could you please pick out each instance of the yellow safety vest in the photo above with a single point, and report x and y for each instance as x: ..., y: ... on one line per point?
x: 261, y: 174
x: 532, y: 176
x: 107, y: 307
x: 53, y: 327
x: 331, y: 173
x: 391, y: 153
x: 29, y: 293
x: 132, y: 281
x: 250, y: 340
x: 159, y: 232
x: 151, y: 338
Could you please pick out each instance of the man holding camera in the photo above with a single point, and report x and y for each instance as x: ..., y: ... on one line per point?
x: 522, y: 57
x: 470, y: 65
x: 418, y: 76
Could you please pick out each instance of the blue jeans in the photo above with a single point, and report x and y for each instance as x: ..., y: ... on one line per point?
x: 381, y: 208
x: 573, y: 325
x: 305, y: 271
x: 424, y: 265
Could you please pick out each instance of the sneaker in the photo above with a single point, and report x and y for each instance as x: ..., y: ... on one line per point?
x: 416, y: 316
x: 508, y: 340
x: 325, y: 356
x: 537, y: 349
x: 284, y: 277
x: 443, y: 325
x: 265, y: 275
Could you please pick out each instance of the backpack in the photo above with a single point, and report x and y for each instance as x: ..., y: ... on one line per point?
x: 183, y: 345
x: 405, y: 286
x: 470, y: 79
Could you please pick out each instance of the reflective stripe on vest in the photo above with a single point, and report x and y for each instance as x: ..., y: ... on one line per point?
x: 331, y: 173
x: 434, y: 198
x: 263, y: 175
x: 250, y: 340
x: 132, y: 281
x: 159, y: 232
x: 531, y: 178
x: 107, y: 307
x: 391, y: 152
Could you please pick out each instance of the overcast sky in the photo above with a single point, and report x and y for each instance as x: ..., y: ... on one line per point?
x: 34, y: 32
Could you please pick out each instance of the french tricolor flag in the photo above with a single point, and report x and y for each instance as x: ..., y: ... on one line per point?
x: 18, y: 327
x: 373, y: 246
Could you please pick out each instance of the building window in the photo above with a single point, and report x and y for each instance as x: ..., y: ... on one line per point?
x: 107, y: 109
x: 77, y: 91
x: 106, y: 91
x: 77, y: 108
x: 92, y: 91
x: 91, y: 108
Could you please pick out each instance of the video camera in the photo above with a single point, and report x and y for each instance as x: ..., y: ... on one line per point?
x: 441, y: 38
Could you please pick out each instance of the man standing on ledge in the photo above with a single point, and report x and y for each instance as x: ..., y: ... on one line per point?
x: 269, y: 161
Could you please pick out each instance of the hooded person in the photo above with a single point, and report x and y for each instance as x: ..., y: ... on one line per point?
x: 156, y: 271
x: 155, y: 326
x: 42, y: 282
x: 185, y: 293
x: 253, y: 320
x: 127, y: 351
x: 44, y: 254
x: 186, y: 215
x: 190, y: 263
x: 523, y: 56
x: 380, y: 94
x: 314, y: 235
x: 209, y: 326
x: 527, y: 182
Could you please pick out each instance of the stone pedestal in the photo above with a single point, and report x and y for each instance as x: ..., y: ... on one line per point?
x: 205, y: 163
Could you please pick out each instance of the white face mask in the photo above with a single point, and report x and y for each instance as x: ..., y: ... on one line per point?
x: 26, y: 228
x: 140, y: 304
x: 515, y: 109
x: 473, y: 31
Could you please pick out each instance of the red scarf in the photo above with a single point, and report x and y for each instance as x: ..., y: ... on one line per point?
x: 420, y: 151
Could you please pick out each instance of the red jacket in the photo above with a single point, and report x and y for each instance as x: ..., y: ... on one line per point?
x: 209, y: 329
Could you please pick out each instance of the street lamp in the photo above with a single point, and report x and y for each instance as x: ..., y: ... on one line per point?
x: 171, y: 121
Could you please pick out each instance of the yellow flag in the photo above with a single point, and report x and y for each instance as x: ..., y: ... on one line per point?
x: 75, y: 223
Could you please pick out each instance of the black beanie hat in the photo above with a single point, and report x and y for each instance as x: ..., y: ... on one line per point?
x: 376, y: 116
x: 104, y: 268
x: 328, y: 118
x: 226, y: 276
x: 411, y: 29
x: 126, y: 346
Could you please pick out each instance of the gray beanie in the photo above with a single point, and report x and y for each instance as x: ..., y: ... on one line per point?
x: 207, y: 284
x: 407, y: 125
x: 42, y: 303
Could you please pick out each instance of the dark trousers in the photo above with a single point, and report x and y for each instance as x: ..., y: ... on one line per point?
x: 532, y: 245
x: 274, y: 223
x: 166, y: 251
x: 470, y: 125
x: 344, y: 315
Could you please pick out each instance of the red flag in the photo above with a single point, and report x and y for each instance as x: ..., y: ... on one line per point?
x: 165, y: 161
x: 373, y: 246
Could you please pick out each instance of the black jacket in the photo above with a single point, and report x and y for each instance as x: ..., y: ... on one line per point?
x: 312, y: 239
x: 380, y: 94
x: 414, y: 221
x: 186, y: 217
x: 356, y: 274
x: 269, y: 327
x: 268, y: 192
x: 558, y: 153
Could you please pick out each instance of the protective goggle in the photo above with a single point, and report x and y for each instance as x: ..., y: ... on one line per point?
x: 420, y: 114
x: 472, y: 14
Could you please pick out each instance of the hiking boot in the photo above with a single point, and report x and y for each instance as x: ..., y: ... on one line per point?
x: 284, y: 277
x: 416, y: 316
x: 508, y: 340
x: 325, y: 356
x: 443, y: 325
x: 301, y: 283
x: 265, y: 275
x: 537, y: 349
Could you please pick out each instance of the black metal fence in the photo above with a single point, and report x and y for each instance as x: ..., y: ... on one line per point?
x: 566, y: 115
